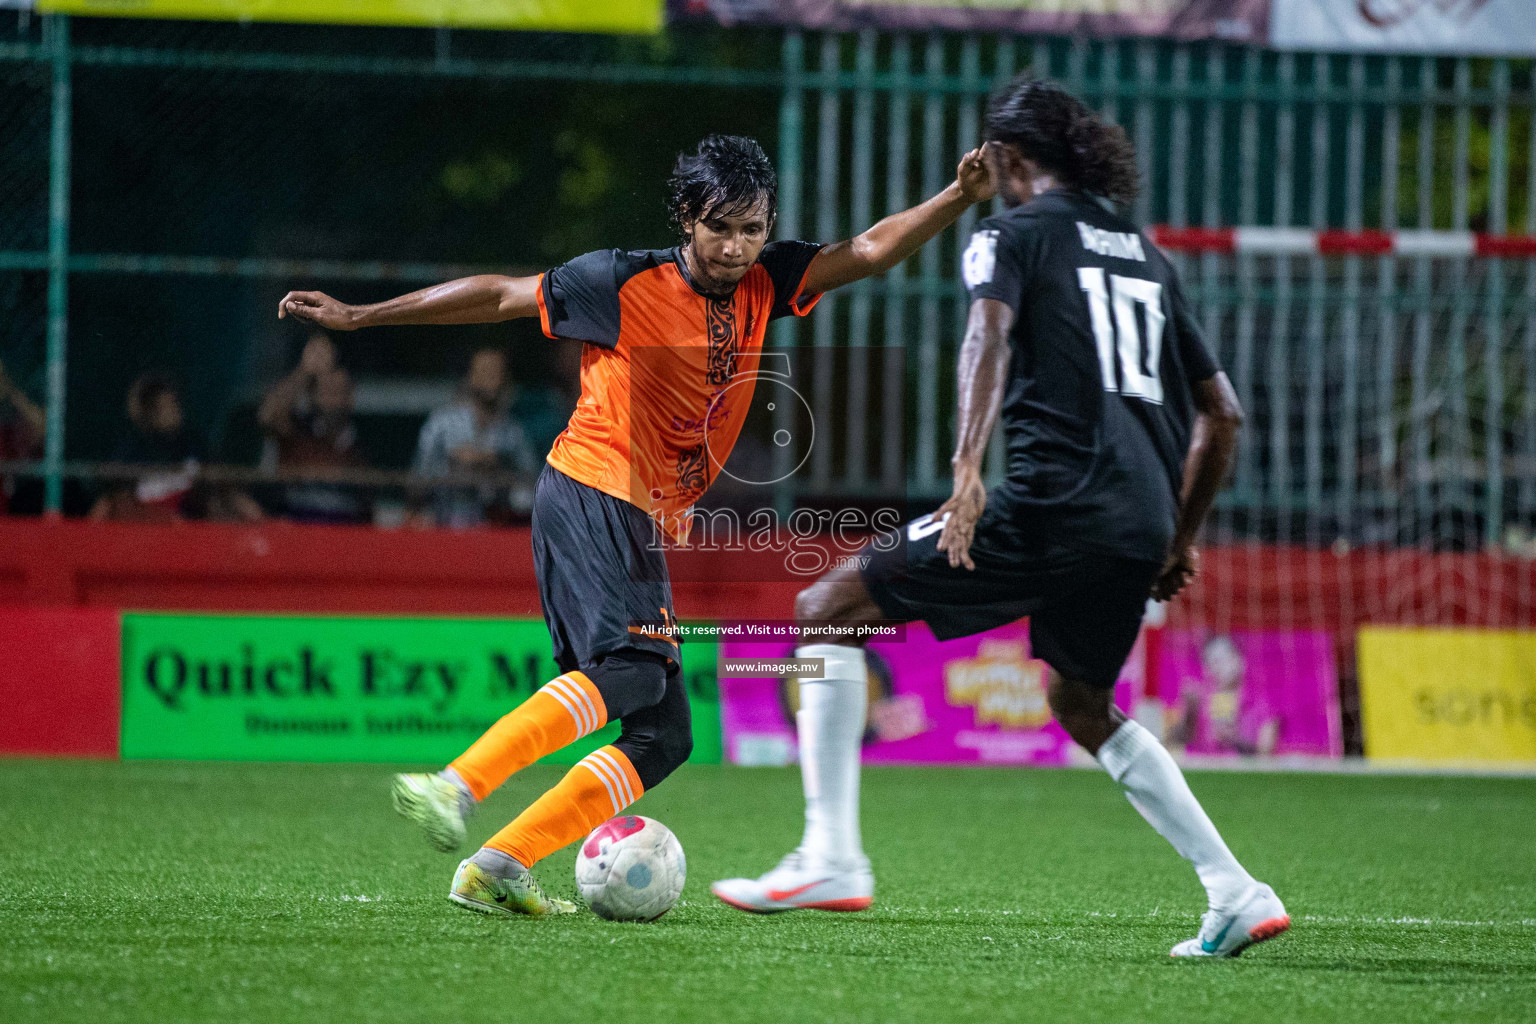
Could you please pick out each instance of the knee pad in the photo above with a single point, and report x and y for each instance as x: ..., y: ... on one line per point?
x: 672, y: 740
x: 629, y: 681
x: 657, y: 748
x: 676, y: 745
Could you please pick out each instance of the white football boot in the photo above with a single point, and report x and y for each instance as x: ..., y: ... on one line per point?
x: 1255, y: 916
x: 799, y: 884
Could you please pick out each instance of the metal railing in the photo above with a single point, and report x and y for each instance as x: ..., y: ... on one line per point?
x: 1226, y: 136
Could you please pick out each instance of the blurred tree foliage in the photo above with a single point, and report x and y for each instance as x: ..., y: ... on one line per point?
x: 215, y: 160
x: 1480, y: 151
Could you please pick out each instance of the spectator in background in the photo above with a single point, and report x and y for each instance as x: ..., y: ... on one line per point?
x: 293, y: 397
x: 158, y: 437
x: 544, y: 410
x: 473, y: 434
x: 307, y: 417
x: 22, y: 429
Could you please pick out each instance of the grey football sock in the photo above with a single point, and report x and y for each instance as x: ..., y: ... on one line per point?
x: 494, y: 862
x: 467, y: 801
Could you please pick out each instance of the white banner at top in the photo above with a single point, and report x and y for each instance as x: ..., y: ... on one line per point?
x: 1468, y: 27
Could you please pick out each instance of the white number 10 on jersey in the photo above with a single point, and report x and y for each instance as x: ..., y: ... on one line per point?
x: 1138, y: 366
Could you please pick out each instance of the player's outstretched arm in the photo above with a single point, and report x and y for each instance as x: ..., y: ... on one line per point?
x: 900, y: 235
x: 984, y: 357
x: 483, y: 299
x: 1211, y: 445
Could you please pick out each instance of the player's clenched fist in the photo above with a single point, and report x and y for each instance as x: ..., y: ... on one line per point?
x: 317, y: 308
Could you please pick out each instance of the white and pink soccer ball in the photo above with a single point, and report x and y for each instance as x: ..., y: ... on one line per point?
x: 631, y: 868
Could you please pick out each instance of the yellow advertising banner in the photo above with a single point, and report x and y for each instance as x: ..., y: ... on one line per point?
x: 539, y: 15
x: 1464, y: 695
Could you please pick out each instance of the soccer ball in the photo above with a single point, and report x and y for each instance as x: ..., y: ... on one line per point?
x: 631, y: 868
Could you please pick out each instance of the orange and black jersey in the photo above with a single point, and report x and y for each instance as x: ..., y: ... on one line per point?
x: 668, y: 373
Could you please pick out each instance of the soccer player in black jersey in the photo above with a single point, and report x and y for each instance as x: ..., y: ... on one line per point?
x: 1120, y: 428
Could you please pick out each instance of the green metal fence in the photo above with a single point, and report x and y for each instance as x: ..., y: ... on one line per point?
x: 1391, y: 390
x: 1379, y: 389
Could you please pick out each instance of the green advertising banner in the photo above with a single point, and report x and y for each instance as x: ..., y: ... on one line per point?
x: 294, y: 688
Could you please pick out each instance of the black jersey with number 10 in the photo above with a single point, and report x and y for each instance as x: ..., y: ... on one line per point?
x: 1098, y: 408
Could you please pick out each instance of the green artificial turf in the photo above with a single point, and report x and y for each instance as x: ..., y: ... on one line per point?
x: 167, y: 892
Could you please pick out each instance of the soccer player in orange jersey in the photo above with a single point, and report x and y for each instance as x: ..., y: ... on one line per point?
x: 667, y: 332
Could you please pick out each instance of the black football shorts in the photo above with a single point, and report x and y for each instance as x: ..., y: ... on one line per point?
x: 602, y: 575
x: 1084, y: 608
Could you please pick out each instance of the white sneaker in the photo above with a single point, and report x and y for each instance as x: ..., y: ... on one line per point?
x: 798, y: 884
x: 1255, y: 916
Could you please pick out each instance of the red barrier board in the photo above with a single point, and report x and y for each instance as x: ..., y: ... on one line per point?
x: 276, y: 567
x: 61, y: 688
x: 280, y: 567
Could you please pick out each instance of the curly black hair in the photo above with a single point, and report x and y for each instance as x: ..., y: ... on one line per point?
x: 1056, y: 130
x: 727, y: 174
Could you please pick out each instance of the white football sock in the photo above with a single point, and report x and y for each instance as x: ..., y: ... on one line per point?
x: 831, y: 725
x: 1155, y: 787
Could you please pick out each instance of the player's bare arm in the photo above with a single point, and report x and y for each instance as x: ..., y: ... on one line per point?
x: 983, y: 370
x: 1213, y: 439
x: 898, y: 236
x: 482, y: 299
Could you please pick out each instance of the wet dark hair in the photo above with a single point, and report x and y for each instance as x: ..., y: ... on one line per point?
x: 1056, y: 130
x: 727, y: 174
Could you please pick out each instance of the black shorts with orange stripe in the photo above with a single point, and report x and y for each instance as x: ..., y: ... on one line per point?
x: 602, y: 574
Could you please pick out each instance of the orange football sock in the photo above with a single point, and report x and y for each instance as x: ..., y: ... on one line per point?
x: 560, y: 712
x: 600, y: 786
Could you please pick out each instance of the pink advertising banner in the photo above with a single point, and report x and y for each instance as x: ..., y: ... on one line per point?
x: 981, y: 699
x: 976, y: 700
x: 1250, y: 694
x: 1235, y: 20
